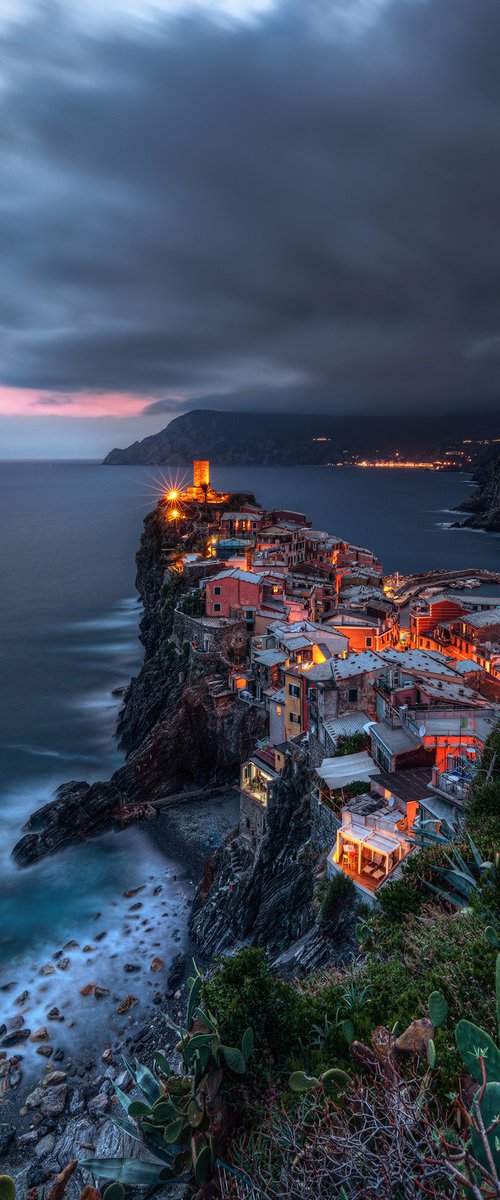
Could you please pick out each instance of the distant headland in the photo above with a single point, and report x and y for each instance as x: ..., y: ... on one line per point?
x: 289, y: 439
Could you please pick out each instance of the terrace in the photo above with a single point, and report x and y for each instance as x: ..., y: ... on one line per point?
x: 454, y: 783
x: 371, y: 842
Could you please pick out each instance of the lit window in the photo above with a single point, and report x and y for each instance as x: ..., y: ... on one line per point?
x: 278, y: 709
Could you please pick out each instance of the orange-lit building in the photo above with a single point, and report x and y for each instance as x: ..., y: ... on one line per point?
x: 367, y: 631
x: 427, y: 611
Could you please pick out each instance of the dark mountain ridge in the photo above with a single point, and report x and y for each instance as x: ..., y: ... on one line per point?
x: 266, y: 438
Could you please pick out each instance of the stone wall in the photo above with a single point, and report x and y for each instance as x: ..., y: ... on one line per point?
x: 252, y: 816
x: 223, y: 636
x: 195, y: 571
x: 324, y: 825
x: 366, y: 694
x: 316, y: 751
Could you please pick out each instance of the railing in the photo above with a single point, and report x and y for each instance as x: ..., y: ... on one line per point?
x: 451, y: 787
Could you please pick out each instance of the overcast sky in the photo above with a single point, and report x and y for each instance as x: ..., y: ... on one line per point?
x: 288, y: 204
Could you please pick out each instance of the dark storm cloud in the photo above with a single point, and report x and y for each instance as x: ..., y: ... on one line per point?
x: 287, y: 212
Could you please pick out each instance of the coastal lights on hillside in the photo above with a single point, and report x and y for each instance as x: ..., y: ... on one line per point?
x: 172, y: 494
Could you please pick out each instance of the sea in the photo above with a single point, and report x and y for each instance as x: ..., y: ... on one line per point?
x: 69, y: 618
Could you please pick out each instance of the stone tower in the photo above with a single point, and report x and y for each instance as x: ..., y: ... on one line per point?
x: 201, y: 474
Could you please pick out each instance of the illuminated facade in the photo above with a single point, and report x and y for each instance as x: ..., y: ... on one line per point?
x: 201, y: 474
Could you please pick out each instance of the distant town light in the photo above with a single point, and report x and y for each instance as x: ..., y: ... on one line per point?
x: 173, y: 494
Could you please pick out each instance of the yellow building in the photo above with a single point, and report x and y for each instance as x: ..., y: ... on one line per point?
x: 293, y: 703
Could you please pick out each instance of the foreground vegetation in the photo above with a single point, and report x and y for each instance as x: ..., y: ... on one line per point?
x: 375, y: 1081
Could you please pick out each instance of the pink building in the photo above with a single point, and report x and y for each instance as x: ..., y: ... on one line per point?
x: 231, y: 590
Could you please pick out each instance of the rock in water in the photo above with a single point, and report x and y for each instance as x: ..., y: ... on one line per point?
x: 126, y: 1004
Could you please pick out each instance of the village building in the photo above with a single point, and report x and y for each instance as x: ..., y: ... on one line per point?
x: 288, y: 540
x: 372, y: 841
x: 317, y: 693
x: 457, y: 740
x: 243, y: 524
x: 258, y: 783
x: 477, y: 636
x: 372, y: 629
x: 309, y: 636
x: 428, y: 610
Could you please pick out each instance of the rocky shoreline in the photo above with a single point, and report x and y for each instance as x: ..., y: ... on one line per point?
x: 484, y: 503
x: 57, y: 1078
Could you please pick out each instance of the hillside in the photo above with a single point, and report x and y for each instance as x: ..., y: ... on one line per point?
x: 484, y: 503
x: 241, y: 438
x: 229, y: 438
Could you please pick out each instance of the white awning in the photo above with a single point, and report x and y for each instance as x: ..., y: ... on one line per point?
x: 370, y: 838
x: 347, y: 768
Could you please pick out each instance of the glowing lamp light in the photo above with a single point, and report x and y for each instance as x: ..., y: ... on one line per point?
x: 173, y: 494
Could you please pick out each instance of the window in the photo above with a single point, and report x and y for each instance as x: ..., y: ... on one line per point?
x: 353, y: 695
x: 217, y: 607
x: 293, y: 690
x: 217, y: 591
x: 369, y: 641
x: 294, y: 718
x: 278, y: 709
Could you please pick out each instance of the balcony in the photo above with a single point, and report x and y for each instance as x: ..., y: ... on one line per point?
x: 452, y: 784
x: 258, y: 781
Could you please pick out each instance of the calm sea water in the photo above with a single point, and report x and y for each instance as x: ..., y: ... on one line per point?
x: 68, y: 636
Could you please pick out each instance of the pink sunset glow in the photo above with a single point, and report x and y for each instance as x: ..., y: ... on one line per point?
x: 27, y: 402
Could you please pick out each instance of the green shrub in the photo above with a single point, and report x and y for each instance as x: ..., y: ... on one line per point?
x: 243, y: 986
x: 338, y: 896
x: 351, y: 744
x: 400, y: 898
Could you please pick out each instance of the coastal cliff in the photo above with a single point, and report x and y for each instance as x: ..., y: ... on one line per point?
x: 484, y: 503
x: 265, y: 894
x: 177, y: 733
x: 262, y: 895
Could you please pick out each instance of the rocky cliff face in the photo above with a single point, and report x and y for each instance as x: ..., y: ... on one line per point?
x: 176, y: 730
x: 264, y: 895
x: 484, y: 503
